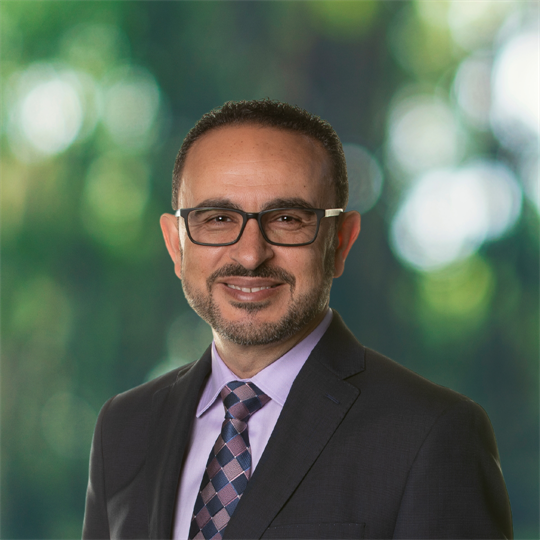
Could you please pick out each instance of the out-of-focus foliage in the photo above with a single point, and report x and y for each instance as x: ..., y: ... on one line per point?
x: 437, y: 105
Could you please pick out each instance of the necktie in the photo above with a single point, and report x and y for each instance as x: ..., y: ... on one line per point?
x: 229, y: 465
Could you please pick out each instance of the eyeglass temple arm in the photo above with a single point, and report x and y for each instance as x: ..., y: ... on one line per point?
x: 332, y: 212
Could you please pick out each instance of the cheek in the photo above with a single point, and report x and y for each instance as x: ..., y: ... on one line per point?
x: 323, y: 265
x: 198, y: 262
x: 312, y: 267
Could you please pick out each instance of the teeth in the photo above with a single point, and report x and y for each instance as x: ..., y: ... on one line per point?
x: 247, y: 289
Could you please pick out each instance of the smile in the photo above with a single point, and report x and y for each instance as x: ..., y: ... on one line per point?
x: 248, y: 289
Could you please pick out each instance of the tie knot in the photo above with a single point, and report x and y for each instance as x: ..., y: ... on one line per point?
x: 242, y: 399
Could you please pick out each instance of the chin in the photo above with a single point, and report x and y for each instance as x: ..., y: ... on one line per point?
x: 250, y: 307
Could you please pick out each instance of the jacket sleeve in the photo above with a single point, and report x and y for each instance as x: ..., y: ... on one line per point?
x: 455, y: 488
x: 96, y: 522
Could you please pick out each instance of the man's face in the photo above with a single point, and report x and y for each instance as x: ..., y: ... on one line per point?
x: 251, y: 292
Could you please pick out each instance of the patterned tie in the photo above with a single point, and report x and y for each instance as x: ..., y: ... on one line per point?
x: 229, y: 465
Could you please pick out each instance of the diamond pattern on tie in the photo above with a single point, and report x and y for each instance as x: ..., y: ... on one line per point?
x: 229, y: 465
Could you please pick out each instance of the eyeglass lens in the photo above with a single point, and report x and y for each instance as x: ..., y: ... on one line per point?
x: 283, y: 226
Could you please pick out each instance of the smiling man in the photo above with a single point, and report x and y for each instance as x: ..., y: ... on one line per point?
x: 287, y: 427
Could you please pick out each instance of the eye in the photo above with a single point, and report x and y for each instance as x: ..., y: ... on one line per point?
x: 213, y: 218
x: 220, y: 218
x: 291, y: 216
x: 287, y: 218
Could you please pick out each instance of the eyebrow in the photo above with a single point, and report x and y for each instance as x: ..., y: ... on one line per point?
x: 293, y: 202
x: 218, y: 203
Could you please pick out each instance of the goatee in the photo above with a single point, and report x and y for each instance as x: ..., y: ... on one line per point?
x: 301, y: 311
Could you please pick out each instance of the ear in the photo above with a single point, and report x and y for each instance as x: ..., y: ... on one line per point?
x: 348, y: 231
x: 169, y: 227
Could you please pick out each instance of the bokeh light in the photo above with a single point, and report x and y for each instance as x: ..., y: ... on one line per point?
x: 461, y: 291
x: 454, y: 304
x: 422, y: 49
x: 46, y: 111
x: 131, y: 103
x: 516, y: 87
x: 472, y: 89
x: 365, y: 178
x: 423, y: 133
x: 448, y: 214
x: 94, y: 47
x: 51, y: 115
x: 474, y: 24
x: 114, y: 199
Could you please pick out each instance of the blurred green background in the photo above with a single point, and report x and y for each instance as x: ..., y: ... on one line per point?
x: 437, y: 106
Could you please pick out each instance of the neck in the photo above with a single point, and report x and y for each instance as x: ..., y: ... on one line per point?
x: 246, y: 361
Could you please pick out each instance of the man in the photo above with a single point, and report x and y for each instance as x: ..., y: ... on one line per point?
x: 287, y: 427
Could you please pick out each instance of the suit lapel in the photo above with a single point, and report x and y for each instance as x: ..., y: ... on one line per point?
x: 173, y: 411
x: 317, y: 403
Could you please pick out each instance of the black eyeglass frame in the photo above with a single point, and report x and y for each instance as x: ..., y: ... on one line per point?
x: 319, y: 212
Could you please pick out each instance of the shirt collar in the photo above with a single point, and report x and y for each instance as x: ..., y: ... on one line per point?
x: 274, y: 380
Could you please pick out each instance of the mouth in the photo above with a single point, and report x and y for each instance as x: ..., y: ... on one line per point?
x: 249, y: 289
x: 244, y: 289
x: 242, y: 286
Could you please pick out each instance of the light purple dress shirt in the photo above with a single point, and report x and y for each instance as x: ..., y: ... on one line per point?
x: 275, y: 381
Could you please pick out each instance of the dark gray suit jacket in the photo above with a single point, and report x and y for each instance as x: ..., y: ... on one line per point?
x: 364, y: 448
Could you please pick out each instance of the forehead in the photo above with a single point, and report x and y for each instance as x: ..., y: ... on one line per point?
x: 250, y: 164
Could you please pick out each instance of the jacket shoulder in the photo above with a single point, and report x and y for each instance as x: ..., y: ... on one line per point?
x: 126, y: 416
x: 143, y: 394
x: 381, y: 381
x: 394, y: 389
x: 134, y: 406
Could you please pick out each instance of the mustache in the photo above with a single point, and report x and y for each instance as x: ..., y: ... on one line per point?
x: 263, y: 271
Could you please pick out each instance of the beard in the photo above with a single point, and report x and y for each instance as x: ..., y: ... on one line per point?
x: 302, y: 310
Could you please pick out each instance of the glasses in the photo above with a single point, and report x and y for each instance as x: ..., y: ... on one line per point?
x: 210, y: 226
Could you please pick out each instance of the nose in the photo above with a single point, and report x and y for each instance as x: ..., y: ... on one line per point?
x: 252, y: 249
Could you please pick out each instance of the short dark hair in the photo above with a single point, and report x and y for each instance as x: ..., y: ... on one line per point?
x: 269, y: 113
